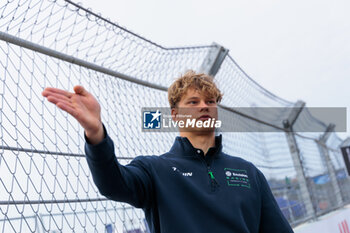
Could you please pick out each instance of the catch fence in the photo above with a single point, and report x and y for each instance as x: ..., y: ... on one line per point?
x: 45, y: 183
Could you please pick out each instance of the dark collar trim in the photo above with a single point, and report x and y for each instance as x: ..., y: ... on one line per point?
x: 183, y: 146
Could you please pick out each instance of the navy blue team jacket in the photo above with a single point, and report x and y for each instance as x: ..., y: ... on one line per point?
x: 183, y: 191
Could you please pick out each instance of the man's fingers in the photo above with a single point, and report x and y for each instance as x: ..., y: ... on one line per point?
x: 64, y: 104
x: 51, y: 90
x: 67, y: 108
x: 80, y: 90
x: 58, y: 97
x: 55, y: 101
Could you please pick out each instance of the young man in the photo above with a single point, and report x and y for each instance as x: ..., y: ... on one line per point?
x: 193, y: 188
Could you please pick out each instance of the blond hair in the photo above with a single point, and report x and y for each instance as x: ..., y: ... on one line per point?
x: 200, y: 81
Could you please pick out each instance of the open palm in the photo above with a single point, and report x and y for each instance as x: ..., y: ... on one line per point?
x: 81, y: 105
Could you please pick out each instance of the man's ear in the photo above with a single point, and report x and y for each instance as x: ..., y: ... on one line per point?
x: 174, y: 112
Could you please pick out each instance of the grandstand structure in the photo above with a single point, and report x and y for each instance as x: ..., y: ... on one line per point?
x: 45, y: 183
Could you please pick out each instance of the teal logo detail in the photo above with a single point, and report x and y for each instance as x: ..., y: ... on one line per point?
x: 237, y: 177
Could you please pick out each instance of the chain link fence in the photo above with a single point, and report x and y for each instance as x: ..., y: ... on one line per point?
x: 45, y: 183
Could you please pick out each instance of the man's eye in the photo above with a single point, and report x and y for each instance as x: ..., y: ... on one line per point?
x: 211, y: 101
x: 192, y: 102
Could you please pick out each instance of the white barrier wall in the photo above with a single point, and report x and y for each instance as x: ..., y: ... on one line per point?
x: 337, y: 222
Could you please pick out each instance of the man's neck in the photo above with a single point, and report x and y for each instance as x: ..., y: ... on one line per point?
x: 201, y: 141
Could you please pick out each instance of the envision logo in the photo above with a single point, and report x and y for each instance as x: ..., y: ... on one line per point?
x: 239, y: 174
x: 237, y: 177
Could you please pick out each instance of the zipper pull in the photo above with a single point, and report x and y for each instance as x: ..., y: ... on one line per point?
x: 213, y: 182
x: 211, y: 175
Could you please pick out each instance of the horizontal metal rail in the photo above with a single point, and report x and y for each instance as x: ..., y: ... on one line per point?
x: 69, y: 213
x: 53, y: 53
x: 33, y: 202
x: 50, y: 152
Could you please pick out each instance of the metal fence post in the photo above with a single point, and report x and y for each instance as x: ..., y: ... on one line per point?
x: 295, y: 153
x: 212, y: 62
x: 327, y: 160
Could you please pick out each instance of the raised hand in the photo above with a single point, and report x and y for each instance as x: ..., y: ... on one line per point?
x: 82, y: 106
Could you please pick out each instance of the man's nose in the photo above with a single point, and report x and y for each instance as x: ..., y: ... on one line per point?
x: 203, y: 104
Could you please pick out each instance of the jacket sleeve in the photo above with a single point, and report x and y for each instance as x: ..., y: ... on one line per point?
x: 131, y: 183
x: 272, y: 219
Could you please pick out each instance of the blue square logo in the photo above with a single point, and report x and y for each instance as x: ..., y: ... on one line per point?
x: 152, y: 119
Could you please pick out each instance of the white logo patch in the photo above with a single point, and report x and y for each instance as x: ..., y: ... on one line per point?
x: 182, y: 173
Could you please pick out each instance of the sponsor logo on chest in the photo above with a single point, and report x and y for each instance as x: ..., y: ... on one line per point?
x: 182, y: 173
x: 237, y: 177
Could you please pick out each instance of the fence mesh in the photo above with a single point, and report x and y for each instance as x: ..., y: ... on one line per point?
x: 45, y: 183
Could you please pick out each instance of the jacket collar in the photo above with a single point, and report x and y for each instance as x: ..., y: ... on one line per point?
x: 183, y: 146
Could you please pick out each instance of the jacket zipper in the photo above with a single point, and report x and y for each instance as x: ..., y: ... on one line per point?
x: 213, y: 183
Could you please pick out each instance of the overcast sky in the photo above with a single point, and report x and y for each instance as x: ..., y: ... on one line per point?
x: 295, y: 49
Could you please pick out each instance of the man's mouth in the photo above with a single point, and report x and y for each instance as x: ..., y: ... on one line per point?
x: 204, y: 117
